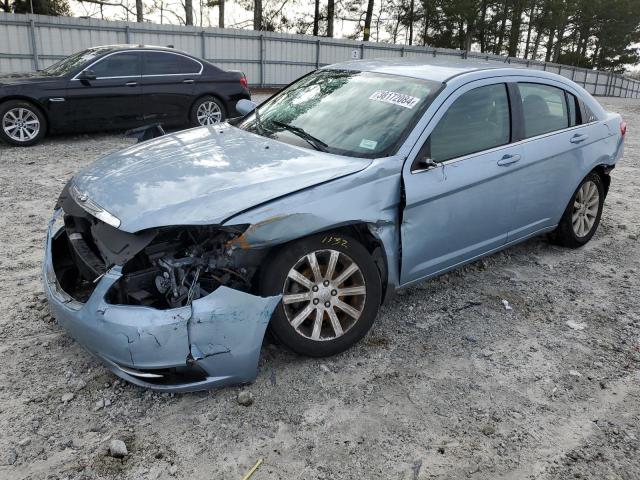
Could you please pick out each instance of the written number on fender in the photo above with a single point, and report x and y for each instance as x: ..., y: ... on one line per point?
x: 338, y: 241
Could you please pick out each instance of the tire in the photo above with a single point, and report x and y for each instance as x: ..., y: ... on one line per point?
x: 207, y: 110
x: 21, y: 123
x: 331, y: 338
x: 581, y: 208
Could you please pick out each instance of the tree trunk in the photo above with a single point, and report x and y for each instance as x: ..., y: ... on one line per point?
x: 221, y: 13
x: 558, y: 46
x: 367, y: 21
x: 257, y: 14
x: 316, y: 18
x: 498, y: 47
x: 552, y: 33
x: 188, y: 12
x: 411, y: 11
x: 331, y: 4
x: 529, y: 28
x: 516, y: 23
x: 483, y: 19
x: 139, y: 11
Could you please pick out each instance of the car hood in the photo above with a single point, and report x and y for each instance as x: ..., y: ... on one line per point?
x: 26, y: 78
x: 203, y: 176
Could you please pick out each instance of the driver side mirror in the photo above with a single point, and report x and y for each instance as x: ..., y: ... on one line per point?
x: 87, y: 75
x: 244, y: 106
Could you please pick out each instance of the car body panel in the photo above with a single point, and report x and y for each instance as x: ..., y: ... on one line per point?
x: 424, y: 221
x: 203, y: 175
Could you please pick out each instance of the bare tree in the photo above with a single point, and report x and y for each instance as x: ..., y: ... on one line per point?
x: 221, y: 13
x: 139, y: 11
x: 316, y: 18
x: 257, y: 14
x: 367, y: 21
x: 331, y: 7
x: 188, y: 12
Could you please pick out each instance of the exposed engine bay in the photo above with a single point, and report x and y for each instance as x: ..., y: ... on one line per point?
x: 166, y: 267
x: 179, y: 266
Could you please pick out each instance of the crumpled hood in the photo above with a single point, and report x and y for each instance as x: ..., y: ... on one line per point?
x: 203, y: 176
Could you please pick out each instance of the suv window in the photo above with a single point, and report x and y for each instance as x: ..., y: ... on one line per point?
x: 478, y: 120
x: 125, y: 64
x: 159, y: 63
x: 544, y: 109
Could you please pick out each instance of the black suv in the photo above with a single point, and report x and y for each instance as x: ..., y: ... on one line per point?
x: 117, y: 87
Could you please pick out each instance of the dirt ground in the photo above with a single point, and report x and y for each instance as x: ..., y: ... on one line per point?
x: 448, y: 385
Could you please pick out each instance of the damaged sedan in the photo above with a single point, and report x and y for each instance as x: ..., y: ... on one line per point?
x: 170, y: 259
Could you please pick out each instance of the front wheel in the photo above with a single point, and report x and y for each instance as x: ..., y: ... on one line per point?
x: 582, y: 216
x: 21, y: 123
x: 330, y: 290
x: 207, y: 110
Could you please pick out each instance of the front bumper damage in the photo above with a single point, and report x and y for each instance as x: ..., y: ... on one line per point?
x: 215, y: 341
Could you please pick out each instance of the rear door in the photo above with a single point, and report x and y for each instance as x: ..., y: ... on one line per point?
x: 556, y: 143
x: 461, y: 207
x: 112, y: 100
x: 168, y: 86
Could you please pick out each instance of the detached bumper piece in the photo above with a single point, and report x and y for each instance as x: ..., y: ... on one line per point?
x: 213, y: 342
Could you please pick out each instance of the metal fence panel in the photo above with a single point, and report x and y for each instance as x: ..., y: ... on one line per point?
x: 29, y: 42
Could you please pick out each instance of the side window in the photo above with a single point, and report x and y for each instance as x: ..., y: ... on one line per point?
x: 126, y: 64
x: 574, y: 110
x: 159, y: 63
x: 587, y: 114
x: 544, y: 108
x: 478, y: 120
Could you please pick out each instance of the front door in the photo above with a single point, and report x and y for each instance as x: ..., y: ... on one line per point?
x: 459, y: 196
x: 112, y: 100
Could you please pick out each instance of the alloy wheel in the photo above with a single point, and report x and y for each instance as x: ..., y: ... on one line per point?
x: 585, y: 208
x: 20, y: 124
x: 208, y: 113
x: 324, y: 295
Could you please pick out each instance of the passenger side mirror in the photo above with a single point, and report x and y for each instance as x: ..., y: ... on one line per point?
x: 87, y: 75
x: 244, y: 106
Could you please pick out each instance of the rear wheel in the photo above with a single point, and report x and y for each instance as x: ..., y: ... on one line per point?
x: 207, y: 110
x: 582, y: 216
x: 21, y: 123
x: 330, y: 291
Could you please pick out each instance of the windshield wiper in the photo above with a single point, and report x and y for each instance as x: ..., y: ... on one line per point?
x: 302, y: 133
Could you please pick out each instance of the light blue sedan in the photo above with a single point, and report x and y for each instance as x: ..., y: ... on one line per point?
x: 176, y: 254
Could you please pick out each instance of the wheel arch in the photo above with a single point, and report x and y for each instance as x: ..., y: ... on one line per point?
x: 361, y: 231
x: 210, y: 94
x: 33, y: 102
x: 603, y: 171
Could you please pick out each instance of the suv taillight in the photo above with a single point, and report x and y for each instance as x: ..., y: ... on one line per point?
x: 243, y: 82
x: 623, y: 128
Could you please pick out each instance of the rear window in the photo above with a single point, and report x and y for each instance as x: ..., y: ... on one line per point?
x: 159, y: 63
x: 544, y: 108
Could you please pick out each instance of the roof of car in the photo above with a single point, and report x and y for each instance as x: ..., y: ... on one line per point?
x: 437, y: 69
x: 128, y: 46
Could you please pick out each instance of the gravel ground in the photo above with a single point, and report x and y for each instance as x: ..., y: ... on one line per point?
x: 448, y: 384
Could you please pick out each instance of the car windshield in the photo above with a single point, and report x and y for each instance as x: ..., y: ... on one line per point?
x: 72, y: 62
x: 361, y: 114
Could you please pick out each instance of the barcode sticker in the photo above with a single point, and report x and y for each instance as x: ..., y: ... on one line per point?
x: 400, y: 99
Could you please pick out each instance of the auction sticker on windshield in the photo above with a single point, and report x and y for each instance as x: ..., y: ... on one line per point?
x: 400, y: 99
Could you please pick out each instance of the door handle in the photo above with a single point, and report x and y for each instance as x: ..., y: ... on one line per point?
x: 508, y: 160
x: 578, y: 137
x: 131, y: 84
x: 188, y: 80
